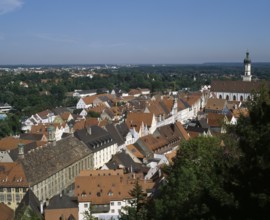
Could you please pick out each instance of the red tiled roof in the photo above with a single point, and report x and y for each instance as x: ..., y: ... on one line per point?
x: 135, y: 151
x: 135, y: 119
x: 6, y: 212
x: 215, y: 120
x: 182, y: 130
x: 89, y: 99
x: 106, y: 186
x: 44, y: 114
x: 171, y: 155
x: 216, y: 104
x: 12, y: 175
x: 9, y: 143
x: 154, y: 143
x: 236, y: 86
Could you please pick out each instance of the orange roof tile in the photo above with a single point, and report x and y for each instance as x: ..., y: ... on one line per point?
x: 103, y: 188
x: 135, y: 119
x: 99, y: 108
x: 240, y: 111
x: 182, y: 130
x: 91, y: 122
x: 45, y: 113
x: 79, y: 125
x: 216, y: 104
x: 9, y: 143
x: 171, y: 155
x: 193, y: 134
x: 103, y: 123
x: 135, y: 151
x: 42, y: 128
x: 155, y: 108
x: 126, y: 98
x: 168, y: 101
x: 12, y: 175
x: 192, y: 98
x: 89, y: 99
x: 154, y: 143
x: 101, y: 172
x: 215, y: 120
x: 85, y: 123
x: 6, y: 212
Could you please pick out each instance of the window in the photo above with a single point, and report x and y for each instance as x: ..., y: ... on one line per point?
x: 9, y: 197
x: 83, y: 195
x: 112, y: 210
x: 2, y: 198
x: 9, y: 189
x: 241, y: 98
x: 119, y: 203
x: 112, y: 203
x: 17, y: 197
x: 1, y: 190
x: 85, y: 205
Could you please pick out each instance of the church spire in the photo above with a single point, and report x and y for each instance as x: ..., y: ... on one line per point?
x: 247, y: 63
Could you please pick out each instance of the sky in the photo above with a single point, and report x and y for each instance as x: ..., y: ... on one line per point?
x: 133, y: 31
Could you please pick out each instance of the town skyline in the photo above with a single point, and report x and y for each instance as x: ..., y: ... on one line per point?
x: 119, y: 32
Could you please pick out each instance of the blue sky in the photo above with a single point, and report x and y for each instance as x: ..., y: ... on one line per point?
x: 133, y: 31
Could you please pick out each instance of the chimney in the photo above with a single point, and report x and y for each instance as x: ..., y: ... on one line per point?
x: 41, y: 207
x: 51, y: 135
x: 89, y: 130
x: 71, y: 130
x: 21, y: 150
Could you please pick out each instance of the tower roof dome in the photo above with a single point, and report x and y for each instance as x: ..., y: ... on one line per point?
x: 247, y: 59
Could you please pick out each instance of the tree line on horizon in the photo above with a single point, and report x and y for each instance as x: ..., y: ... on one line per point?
x: 48, y: 90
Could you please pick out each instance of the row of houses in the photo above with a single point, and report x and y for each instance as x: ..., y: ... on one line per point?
x: 61, y: 146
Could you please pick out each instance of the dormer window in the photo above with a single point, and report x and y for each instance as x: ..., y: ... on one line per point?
x: 83, y: 195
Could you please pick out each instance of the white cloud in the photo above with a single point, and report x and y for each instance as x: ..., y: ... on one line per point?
x: 9, y: 5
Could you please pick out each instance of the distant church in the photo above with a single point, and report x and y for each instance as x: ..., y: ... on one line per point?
x: 237, y: 90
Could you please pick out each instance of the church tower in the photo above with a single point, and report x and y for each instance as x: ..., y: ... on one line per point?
x: 247, y: 63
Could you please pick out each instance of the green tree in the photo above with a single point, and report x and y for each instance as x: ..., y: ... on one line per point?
x: 196, y: 183
x: 136, y: 210
x: 87, y: 215
x: 27, y: 214
x: 93, y: 114
x: 5, y: 129
x: 250, y: 177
